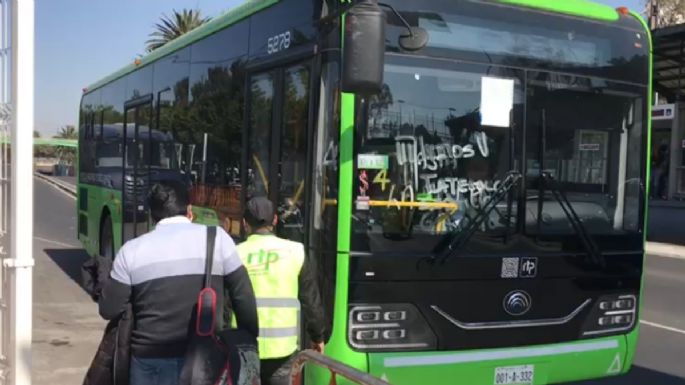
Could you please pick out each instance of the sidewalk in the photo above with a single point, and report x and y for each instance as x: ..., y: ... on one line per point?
x: 70, y: 180
x: 665, y: 250
x: 666, y: 222
x: 64, y: 183
x: 66, y: 326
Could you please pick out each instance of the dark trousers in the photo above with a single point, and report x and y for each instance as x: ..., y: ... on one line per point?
x: 276, y: 371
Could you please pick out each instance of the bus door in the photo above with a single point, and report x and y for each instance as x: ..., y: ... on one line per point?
x: 279, y: 120
x: 136, y: 175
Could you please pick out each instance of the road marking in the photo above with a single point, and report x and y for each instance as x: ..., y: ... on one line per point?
x: 55, y: 242
x: 664, y: 327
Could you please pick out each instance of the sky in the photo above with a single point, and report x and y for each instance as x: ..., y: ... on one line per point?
x: 81, y: 41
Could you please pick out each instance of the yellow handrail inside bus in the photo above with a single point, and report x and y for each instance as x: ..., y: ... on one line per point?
x: 430, y: 205
x: 294, y: 201
x: 261, y: 173
x: 440, y: 225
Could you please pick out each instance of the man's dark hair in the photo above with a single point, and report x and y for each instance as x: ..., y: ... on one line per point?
x: 168, y: 199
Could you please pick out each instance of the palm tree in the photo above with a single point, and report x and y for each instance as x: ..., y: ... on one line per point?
x: 169, y: 28
x: 66, y: 155
x: 67, y: 132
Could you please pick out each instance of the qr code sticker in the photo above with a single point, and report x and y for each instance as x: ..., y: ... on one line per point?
x: 510, y: 267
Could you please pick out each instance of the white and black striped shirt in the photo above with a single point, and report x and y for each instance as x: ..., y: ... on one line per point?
x: 160, y: 274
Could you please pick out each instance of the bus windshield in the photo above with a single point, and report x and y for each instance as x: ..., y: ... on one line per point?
x: 587, y: 136
x: 435, y: 146
x: 490, y: 32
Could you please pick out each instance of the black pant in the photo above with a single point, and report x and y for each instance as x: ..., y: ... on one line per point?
x: 276, y: 371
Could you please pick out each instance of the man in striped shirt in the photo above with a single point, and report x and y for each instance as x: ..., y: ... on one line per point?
x: 160, y: 274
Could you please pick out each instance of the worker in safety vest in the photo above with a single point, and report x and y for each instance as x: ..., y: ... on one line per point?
x: 284, y: 282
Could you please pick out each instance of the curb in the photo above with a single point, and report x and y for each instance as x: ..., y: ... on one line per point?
x: 69, y: 189
x: 665, y: 250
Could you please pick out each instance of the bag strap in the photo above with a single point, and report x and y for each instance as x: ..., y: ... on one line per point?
x: 209, y: 260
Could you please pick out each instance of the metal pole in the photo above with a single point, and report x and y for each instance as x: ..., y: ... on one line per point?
x: 679, y: 93
x: 5, y: 121
x: 21, y: 263
x: 204, y: 159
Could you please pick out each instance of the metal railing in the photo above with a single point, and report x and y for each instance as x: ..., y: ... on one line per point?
x: 5, y: 135
x: 336, y: 368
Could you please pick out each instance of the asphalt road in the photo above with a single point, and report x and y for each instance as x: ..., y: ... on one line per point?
x: 67, y: 327
x: 66, y: 324
x: 660, y: 358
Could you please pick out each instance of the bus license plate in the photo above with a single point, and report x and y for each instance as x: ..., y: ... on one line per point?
x: 514, y: 375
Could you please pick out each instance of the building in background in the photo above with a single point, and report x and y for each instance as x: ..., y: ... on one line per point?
x: 668, y: 114
x: 667, y: 21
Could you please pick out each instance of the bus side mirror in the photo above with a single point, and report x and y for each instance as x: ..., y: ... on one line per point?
x: 364, y: 48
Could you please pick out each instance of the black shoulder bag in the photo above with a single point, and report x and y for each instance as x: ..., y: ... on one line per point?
x: 228, y: 357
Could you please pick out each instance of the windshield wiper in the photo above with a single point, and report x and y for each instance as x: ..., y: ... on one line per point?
x: 586, y: 239
x: 512, y: 178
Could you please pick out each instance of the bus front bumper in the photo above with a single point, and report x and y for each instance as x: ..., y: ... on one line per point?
x: 550, y: 364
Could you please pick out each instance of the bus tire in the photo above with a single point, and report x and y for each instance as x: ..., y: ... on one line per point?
x: 107, y: 237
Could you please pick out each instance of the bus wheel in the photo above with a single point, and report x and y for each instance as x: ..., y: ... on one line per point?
x: 107, y: 238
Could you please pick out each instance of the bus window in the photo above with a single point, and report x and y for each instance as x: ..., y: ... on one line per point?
x: 292, y: 161
x: 137, y: 166
x: 88, y: 119
x: 164, y: 150
x: 208, y: 134
x: 88, y: 152
x: 261, y: 109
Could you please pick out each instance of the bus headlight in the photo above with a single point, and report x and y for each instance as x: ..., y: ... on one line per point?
x: 382, y: 327
x: 611, y: 314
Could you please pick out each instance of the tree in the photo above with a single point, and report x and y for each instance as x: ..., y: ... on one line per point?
x: 669, y: 12
x: 169, y: 28
x: 67, y: 132
x: 36, y: 134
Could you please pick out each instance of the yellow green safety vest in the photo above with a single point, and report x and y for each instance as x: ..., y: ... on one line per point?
x: 274, y: 266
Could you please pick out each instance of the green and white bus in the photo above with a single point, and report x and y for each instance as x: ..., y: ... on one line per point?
x: 458, y: 169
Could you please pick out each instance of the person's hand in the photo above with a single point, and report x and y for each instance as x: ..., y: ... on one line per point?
x: 318, y: 346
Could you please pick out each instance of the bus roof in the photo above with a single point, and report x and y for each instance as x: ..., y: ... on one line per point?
x: 580, y: 8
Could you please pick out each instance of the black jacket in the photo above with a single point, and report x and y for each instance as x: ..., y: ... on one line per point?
x: 110, y: 366
x: 310, y: 299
